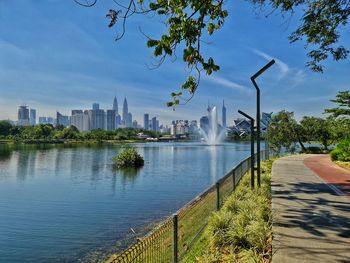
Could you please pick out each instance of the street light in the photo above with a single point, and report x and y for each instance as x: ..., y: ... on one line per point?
x: 251, y: 146
x: 257, y: 74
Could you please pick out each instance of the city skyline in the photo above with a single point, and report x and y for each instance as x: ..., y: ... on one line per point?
x: 88, y: 65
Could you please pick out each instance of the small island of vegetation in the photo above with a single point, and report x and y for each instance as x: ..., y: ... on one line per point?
x: 128, y: 157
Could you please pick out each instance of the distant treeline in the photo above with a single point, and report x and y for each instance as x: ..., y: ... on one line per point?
x: 48, y: 132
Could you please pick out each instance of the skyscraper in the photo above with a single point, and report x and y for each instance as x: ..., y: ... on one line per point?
x: 125, y: 112
x: 223, y: 114
x: 32, y: 117
x: 111, y: 119
x: 95, y: 106
x: 77, y: 119
x: 115, y: 105
x: 154, y: 124
x: 62, y: 119
x: 128, y: 123
x: 146, y: 121
x: 23, y: 115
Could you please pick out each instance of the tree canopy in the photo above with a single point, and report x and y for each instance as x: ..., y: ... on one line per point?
x: 343, y: 101
x: 187, y: 21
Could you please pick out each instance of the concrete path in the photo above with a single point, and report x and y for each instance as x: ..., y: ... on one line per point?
x: 311, y: 218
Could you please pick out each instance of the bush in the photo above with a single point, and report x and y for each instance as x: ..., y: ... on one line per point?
x: 128, y: 157
x: 342, y: 151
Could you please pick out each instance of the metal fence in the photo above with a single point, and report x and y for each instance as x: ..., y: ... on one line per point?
x: 170, y: 241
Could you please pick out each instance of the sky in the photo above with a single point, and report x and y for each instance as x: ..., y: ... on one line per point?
x: 57, y: 56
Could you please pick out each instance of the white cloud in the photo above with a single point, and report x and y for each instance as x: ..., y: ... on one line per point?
x: 227, y: 83
x: 284, y: 68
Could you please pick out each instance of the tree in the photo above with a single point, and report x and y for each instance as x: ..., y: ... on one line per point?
x: 343, y: 100
x: 284, y: 131
x: 316, y: 129
x: 5, y: 128
x: 188, y: 21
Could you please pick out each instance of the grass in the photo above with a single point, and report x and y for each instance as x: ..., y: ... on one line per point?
x: 241, y: 230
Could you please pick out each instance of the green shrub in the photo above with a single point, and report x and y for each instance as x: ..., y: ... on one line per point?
x: 128, y: 157
x: 342, y: 151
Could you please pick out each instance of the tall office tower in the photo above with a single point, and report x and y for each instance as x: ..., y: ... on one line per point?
x: 111, y: 120
x: 95, y: 106
x: 118, y: 121
x: 154, y: 124
x: 86, y: 120
x: 125, y: 112
x: 204, y: 123
x: 23, y: 116
x: 77, y: 119
x: 128, y: 123
x: 32, y: 117
x: 115, y: 105
x: 62, y: 119
x: 97, y: 119
x: 146, y: 121
x: 51, y: 120
x: 223, y: 114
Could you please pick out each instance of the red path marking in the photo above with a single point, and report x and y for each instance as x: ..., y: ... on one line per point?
x: 330, y: 172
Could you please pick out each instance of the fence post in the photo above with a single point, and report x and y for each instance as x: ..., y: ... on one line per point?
x: 234, y: 179
x: 217, y: 196
x: 175, y: 240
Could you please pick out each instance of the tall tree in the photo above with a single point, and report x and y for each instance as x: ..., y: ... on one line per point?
x: 284, y: 131
x: 343, y: 101
x: 188, y: 21
x: 316, y: 129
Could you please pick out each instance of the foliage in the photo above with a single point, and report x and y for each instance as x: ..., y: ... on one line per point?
x: 343, y: 100
x: 188, y: 21
x: 316, y: 129
x: 241, y: 230
x: 342, y: 151
x: 284, y: 131
x: 128, y: 157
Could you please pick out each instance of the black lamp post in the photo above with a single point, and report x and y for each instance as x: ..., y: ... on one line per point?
x: 251, y: 146
x: 261, y: 71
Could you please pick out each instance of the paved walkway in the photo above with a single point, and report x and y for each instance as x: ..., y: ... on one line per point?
x: 311, y: 217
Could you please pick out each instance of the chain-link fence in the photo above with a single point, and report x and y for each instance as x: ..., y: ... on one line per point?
x: 170, y: 241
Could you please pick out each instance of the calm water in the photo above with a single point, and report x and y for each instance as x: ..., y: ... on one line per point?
x: 67, y: 204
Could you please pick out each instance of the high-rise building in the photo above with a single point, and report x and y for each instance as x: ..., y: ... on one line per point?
x: 95, y: 106
x: 62, y: 119
x: 118, y: 121
x: 86, y: 120
x: 32, y: 117
x: 146, y: 121
x: 125, y: 112
x: 223, y: 114
x: 111, y: 119
x: 128, y: 123
x: 97, y: 119
x: 204, y: 123
x: 154, y: 124
x: 23, y: 115
x: 115, y: 105
x: 77, y: 119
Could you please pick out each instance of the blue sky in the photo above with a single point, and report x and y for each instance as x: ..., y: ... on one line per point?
x: 58, y: 56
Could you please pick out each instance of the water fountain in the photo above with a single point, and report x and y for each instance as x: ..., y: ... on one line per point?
x: 213, y: 134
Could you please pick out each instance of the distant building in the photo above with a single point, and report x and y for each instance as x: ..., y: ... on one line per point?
x: 204, y: 123
x: 23, y: 116
x: 86, y: 120
x: 115, y: 105
x: 95, y: 106
x: 146, y: 121
x: 265, y: 120
x: 42, y: 120
x: 77, y: 119
x: 118, y: 121
x: 32, y: 117
x: 154, y: 124
x: 97, y: 118
x: 128, y: 123
x: 111, y: 120
x: 223, y: 114
x: 62, y: 119
x: 241, y: 126
x: 125, y: 112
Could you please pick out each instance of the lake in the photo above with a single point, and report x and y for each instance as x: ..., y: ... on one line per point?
x: 67, y: 204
